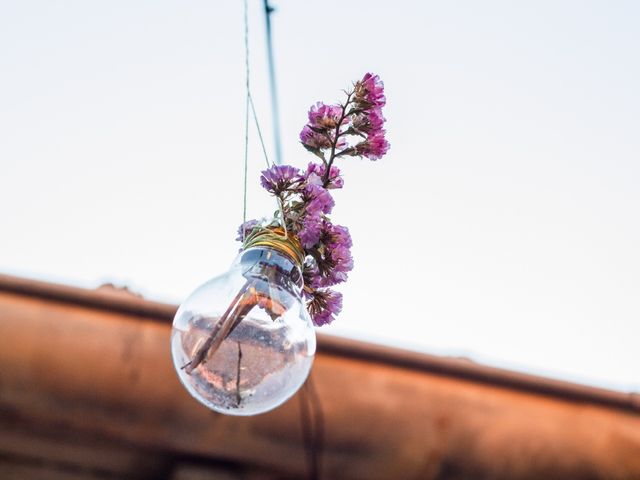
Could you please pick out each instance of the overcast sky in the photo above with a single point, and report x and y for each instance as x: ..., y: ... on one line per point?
x: 502, y: 225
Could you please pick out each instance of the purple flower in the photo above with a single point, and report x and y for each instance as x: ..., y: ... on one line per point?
x: 310, y: 232
x: 337, y: 235
x: 336, y: 262
x: 279, y: 178
x: 320, y: 132
x: 314, y: 140
x: 324, y: 306
x: 369, y: 92
x: 370, y: 122
x: 343, y: 264
x: 318, y: 200
x: 325, y: 117
x: 245, y: 229
x: 304, y: 196
x: 374, y: 147
x: 315, y: 175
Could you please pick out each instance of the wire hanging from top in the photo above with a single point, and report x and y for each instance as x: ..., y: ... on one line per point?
x: 246, y: 114
x: 249, y: 106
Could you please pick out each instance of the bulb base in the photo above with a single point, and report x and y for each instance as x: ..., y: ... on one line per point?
x: 278, y: 239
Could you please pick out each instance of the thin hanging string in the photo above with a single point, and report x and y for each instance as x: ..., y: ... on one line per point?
x: 250, y: 105
x: 255, y: 117
x: 246, y: 117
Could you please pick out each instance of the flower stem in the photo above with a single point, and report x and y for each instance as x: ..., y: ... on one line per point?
x: 334, y: 142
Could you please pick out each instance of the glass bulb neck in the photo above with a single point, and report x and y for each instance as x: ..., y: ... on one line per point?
x: 264, y: 262
x: 278, y: 239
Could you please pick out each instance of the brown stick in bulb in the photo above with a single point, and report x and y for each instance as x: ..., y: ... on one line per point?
x: 241, y: 305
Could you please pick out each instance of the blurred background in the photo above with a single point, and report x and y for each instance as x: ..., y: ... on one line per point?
x: 502, y: 225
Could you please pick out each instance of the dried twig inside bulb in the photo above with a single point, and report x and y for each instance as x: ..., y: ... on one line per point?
x: 243, y: 343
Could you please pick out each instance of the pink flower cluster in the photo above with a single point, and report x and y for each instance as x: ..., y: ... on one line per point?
x: 305, y: 197
x: 359, y: 118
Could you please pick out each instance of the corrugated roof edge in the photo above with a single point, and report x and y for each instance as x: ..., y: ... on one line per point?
x: 134, y: 305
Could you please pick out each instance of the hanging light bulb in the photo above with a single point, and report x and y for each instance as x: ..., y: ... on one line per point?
x: 243, y: 342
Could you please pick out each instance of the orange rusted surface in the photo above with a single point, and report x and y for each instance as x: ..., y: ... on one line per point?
x: 79, y: 364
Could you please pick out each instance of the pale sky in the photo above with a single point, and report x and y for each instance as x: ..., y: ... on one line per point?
x: 502, y: 225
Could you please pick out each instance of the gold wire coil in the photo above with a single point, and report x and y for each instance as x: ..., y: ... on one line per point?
x: 278, y: 239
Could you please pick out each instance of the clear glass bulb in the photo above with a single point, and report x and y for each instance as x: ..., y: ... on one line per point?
x: 243, y: 342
